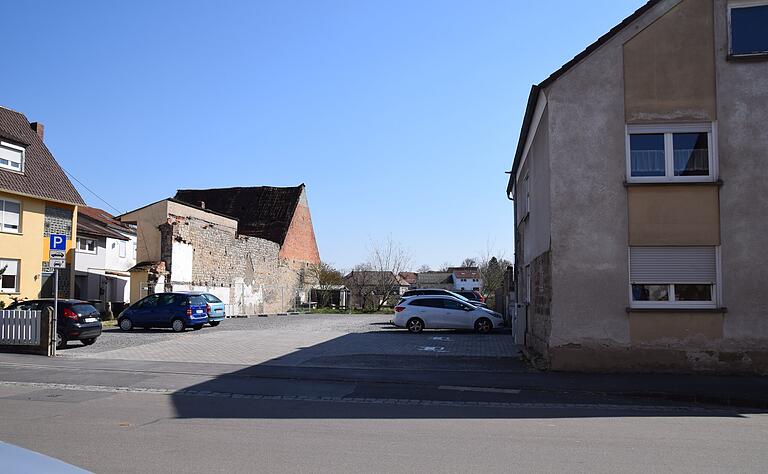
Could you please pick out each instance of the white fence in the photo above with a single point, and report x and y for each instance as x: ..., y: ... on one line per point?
x: 20, y: 328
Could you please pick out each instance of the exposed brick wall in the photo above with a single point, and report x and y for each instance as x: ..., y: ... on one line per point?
x: 300, y: 244
x: 539, y: 317
x: 244, y: 271
x: 58, y: 220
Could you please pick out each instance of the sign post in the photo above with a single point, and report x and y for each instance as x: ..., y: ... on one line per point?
x: 56, y: 254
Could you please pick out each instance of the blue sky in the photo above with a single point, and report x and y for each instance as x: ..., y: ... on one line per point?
x: 400, y: 116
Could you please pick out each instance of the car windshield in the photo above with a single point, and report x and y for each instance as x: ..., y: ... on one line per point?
x: 462, y: 298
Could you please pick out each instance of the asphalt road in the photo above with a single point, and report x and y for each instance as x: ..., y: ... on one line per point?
x: 393, y: 409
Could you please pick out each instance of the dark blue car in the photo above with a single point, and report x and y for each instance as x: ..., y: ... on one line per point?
x: 177, y: 311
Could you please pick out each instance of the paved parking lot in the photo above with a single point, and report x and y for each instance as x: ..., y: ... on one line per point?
x: 303, y: 340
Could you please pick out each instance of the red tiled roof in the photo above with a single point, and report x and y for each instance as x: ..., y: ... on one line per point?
x: 42, y: 177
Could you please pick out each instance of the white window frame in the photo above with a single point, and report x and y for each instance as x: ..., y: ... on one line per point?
x: 122, y: 249
x: 82, y: 250
x: 742, y: 4
x: 716, y: 291
x: 17, y: 275
x: 3, y: 200
x: 669, y: 162
x: 23, y: 157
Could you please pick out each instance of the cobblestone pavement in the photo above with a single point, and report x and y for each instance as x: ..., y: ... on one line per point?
x: 296, y: 340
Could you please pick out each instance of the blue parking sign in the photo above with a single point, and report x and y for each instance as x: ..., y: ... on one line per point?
x: 58, y: 242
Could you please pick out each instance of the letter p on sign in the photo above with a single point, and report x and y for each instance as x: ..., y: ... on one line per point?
x: 58, y: 242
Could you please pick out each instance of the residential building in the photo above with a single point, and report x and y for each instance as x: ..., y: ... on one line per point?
x: 409, y: 277
x: 639, y: 188
x: 251, y: 247
x: 36, y: 200
x: 434, y: 279
x: 467, y: 278
x: 105, y: 250
x: 371, y: 288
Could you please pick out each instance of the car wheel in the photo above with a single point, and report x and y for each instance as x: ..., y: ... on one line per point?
x: 177, y: 325
x: 197, y: 327
x: 88, y: 341
x: 483, y: 325
x: 214, y: 323
x: 415, y: 325
x: 125, y: 324
x: 61, y: 343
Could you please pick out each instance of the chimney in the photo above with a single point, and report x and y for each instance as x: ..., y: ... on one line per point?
x: 38, y: 128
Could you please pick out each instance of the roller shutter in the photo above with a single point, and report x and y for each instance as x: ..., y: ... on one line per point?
x: 672, y: 265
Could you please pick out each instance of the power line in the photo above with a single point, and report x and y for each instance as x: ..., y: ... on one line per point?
x: 92, y: 192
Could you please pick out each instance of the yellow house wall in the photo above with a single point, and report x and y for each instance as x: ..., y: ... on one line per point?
x: 30, y: 246
x: 25, y: 246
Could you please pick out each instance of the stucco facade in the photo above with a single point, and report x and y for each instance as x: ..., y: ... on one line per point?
x: 577, y: 216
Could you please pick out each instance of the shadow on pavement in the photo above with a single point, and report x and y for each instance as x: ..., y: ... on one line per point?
x: 355, y: 377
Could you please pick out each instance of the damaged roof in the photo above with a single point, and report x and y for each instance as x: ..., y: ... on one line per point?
x: 42, y: 176
x: 98, y: 222
x: 265, y: 212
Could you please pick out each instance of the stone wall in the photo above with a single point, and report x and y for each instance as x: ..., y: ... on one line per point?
x: 245, y: 272
x: 539, y: 309
x: 58, y: 220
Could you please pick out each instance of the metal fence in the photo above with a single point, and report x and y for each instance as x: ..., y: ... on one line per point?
x: 20, y: 328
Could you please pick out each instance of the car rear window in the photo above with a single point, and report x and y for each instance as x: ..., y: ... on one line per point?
x: 83, y: 309
x: 197, y: 300
x: 211, y: 299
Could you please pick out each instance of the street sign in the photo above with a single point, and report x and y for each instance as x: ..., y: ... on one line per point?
x: 58, y: 263
x: 58, y: 242
x: 57, y: 254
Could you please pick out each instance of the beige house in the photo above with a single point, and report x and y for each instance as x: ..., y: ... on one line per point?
x: 641, y: 196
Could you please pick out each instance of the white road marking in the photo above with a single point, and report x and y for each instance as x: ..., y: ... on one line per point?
x: 441, y: 338
x: 478, y: 389
x: 374, y: 401
x: 431, y: 349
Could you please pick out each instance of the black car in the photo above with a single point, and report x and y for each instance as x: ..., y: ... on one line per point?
x: 77, y: 320
x: 472, y: 295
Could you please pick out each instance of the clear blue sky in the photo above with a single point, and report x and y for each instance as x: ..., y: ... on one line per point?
x: 400, y: 116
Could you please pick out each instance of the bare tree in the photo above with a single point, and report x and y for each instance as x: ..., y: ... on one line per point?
x: 360, y: 283
x: 492, y: 269
x: 423, y: 268
x: 327, y: 277
x: 469, y: 262
x: 387, y: 260
x: 444, y: 267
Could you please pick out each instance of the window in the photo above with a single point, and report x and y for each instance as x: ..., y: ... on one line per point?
x: 86, y: 245
x: 453, y: 304
x: 673, y: 276
x: 11, y: 157
x: 211, y: 298
x: 670, y: 153
x: 749, y: 28
x: 10, y: 211
x: 121, y: 248
x: 9, y: 280
x: 428, y: 302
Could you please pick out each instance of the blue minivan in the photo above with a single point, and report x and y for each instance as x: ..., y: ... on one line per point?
x: 177, y: 311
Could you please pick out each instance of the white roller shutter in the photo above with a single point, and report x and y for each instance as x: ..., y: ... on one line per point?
x: 673, y: 265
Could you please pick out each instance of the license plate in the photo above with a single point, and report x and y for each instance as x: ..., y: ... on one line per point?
x: 199, y: 311
x: 90, y: 320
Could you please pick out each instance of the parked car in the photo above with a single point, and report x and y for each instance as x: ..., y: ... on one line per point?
x: 417, y: 313
x: 177, y: 311
x: 217, y: 313
x: 76, y: 320
x: 472, y: 295
x: 442, y: 292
